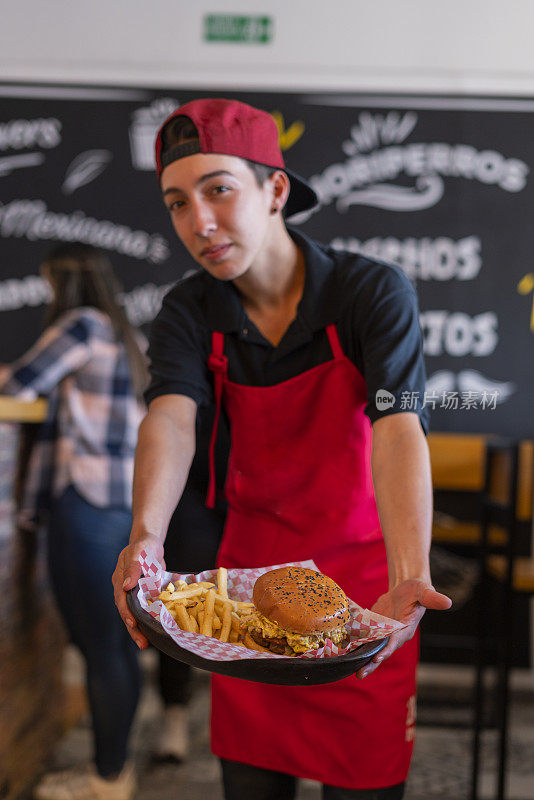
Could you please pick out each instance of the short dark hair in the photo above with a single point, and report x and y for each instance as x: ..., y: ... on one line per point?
x: 182, y: 129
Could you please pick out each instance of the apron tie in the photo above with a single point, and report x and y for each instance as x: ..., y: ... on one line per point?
x: 218, y: 364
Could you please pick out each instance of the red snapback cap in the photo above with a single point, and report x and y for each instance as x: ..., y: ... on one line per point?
x: 232, y: 128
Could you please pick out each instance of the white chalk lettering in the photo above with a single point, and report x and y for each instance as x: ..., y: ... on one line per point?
x: 32, y: 220
x: 458, y: 334
x: 441, y: 259
x: 19, y: 134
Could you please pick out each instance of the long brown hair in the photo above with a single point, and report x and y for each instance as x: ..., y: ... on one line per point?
x: 82, y: 275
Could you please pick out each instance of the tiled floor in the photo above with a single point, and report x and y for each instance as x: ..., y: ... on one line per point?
x: 440, y: 768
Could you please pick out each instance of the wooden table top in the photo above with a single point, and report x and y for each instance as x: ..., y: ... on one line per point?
x: 14, y: 410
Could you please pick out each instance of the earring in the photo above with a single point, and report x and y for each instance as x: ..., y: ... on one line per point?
x: 274, y: 210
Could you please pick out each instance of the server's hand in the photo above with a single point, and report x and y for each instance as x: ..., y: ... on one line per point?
x: 407, y: 603
x: 126, y: 576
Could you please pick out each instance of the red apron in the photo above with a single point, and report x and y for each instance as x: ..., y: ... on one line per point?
x: 299, y: 486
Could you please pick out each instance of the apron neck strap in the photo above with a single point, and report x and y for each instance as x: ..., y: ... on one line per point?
x: 335, y: 344
x: 218, y: 364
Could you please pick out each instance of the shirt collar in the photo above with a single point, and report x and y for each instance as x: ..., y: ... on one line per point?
x: 317, y: 307
x: 224, y: 309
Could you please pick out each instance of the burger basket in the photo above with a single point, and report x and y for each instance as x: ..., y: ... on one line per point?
x: 368, y: 634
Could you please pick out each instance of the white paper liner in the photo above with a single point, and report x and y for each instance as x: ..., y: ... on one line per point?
x: 366, y: 626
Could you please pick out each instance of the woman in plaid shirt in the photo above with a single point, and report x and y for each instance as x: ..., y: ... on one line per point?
x: 90, y: 365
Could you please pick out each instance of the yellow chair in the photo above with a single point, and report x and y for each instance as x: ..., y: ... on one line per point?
x: 459, y: 465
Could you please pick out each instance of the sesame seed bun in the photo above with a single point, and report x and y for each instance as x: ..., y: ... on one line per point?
x: 301, y: 600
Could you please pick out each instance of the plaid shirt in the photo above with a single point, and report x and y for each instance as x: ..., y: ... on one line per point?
x: 90, y: 434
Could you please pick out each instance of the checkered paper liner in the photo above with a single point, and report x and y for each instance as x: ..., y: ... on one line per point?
x: 366, y: 626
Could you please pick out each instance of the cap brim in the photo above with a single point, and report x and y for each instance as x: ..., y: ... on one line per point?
x: 301, y: 196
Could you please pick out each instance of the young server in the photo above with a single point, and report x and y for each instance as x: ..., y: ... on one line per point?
x: 295, y: 340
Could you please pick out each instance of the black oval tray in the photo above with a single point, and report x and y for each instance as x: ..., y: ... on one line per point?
x: 285, y: 671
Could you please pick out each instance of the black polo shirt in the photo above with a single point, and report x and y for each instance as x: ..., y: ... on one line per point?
x: 372, y: 304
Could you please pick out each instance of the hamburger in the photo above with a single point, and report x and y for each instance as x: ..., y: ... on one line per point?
x: 296, y: 609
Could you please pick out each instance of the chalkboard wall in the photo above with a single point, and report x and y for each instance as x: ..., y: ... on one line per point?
x: 441, y: 186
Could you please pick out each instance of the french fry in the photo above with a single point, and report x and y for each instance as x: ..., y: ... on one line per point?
x: 183, y: 619
x: 226, y: 622
x: 237, y: 605
x: 184, y: 594
x: 222, y: 581
x: 236, y: 622
x: 206, y: 609
x: 207, y: 622
x: 195, y: 609
x: 220, y: 602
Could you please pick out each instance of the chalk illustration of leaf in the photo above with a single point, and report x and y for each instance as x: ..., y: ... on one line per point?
x: 85, y: 168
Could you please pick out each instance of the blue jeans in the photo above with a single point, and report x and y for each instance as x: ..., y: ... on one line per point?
x: 84, y: 542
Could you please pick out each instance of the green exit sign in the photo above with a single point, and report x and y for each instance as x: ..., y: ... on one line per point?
x: 233, y: 28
